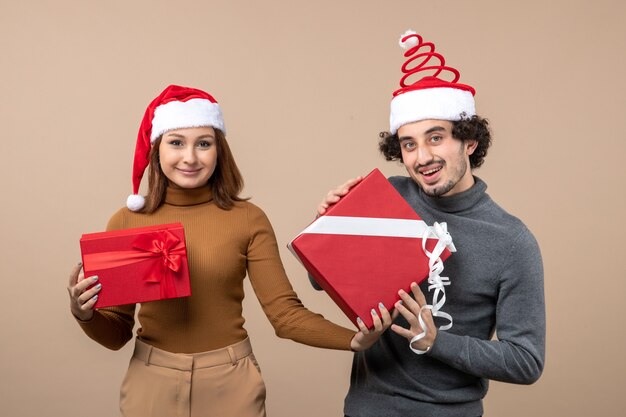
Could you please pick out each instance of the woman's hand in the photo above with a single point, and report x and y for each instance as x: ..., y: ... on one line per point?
x: 82, y: 299
x: 335, y: 195
x: 366, y: 337
x: 410, y: 309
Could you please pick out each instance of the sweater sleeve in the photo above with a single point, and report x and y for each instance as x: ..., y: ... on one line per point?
x: 111, y: 327
x: 280, y: 303
x: 517, y: 356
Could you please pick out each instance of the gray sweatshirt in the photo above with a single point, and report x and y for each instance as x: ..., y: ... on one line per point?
x: 496, y: 286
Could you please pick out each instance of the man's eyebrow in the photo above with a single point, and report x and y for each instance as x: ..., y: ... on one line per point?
x: 435, y: 129
x: 427, y: 132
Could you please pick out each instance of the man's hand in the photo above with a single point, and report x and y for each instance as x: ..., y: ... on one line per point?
x: 335, y: 195
x: 410, y: 310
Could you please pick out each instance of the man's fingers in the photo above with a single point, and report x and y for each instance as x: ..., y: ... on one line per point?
x: 406, y: 333
x: 408, y: 315
x: 419, y: 295
x: 343, y: 188
x: 427, y: 316
x: 335, y: 195
x: 330, y: 199
x: 419, y: 303
x: 351, y: 183
x: 409, y: 302
x: 333, y: 198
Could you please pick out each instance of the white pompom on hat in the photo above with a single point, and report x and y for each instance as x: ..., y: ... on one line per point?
x: 430, y: 97
x: 175, y: 108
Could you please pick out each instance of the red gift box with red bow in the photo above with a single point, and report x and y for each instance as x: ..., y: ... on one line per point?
x: 137, y: 265
x: 368, y: 246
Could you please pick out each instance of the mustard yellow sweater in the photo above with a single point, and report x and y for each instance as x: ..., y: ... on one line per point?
x: 222, y: 245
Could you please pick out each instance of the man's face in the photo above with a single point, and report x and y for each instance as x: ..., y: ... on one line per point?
x: 437, y: 161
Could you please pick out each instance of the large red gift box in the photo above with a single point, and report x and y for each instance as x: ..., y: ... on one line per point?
x: 137, y: 265
x: 366, y: 247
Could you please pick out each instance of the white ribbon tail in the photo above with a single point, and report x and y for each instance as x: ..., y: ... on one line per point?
x: 436, y: 281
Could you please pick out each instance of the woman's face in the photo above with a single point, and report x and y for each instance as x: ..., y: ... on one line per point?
x: 188, y: 156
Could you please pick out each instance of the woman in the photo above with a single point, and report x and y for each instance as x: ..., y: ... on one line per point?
x: 200, y: 358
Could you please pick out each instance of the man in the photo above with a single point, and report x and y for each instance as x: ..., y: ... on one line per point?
x: 496, y: 274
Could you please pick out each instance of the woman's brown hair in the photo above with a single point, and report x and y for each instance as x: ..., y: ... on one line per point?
x: 226, y: 181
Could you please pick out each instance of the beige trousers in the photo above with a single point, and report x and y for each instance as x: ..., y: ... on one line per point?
x: 223, y: 382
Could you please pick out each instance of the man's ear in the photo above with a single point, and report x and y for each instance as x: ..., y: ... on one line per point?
x: 470, y: 146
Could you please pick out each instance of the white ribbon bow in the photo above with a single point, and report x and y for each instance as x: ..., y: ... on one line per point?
x: 436, y: 281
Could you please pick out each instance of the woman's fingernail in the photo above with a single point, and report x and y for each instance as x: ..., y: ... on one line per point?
x: 381, y: 305
x: 95, y: 297
x: 94, y: 278
x: 99, y: 286
x: 374, y: 312
x: 359, y: 320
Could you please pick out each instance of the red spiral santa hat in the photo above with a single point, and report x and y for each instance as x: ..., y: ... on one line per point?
x: 175, y: 108
x: 429, y: 97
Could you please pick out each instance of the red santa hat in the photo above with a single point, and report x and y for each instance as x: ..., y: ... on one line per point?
x: 430, y: 97
x: 175, y: 108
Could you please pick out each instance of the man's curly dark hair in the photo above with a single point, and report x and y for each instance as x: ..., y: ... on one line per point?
x: 468, y: 128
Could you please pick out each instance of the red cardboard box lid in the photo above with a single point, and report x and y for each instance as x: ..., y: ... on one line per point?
x: 366, y: 247
x: 137, y: 265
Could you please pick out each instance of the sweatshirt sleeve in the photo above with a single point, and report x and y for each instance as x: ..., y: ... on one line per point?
x: 280, y: 303
x: 517, y: 356
x: 111, y: 327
